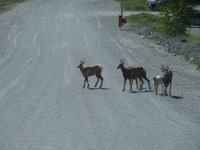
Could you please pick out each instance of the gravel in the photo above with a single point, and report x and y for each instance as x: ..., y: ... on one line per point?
x: 174, y: 45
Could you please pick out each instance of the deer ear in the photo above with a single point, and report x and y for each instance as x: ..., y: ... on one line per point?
x: 162, y: 67
x: 82, y: 61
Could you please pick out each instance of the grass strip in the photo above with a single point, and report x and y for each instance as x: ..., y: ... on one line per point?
x: 6, y: 4
x: 133, y: 5
x: 143, y: 18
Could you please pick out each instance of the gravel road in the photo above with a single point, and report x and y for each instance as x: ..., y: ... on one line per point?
x: 43, y: 105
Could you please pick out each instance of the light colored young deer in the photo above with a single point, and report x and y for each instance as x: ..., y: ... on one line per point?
x: 156, y: 82
x: 90, y: 71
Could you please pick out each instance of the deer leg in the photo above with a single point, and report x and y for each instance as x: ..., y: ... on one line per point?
x: 84, y: 82
x: 136, y: 83
x: 148, y: 82
x: 162, y: 87
x: 101, y: 81
x: 130, y: 80
x: 98, y: 75
x: 124, y: 84
x: 97, y: 81
x: 141, y: 85
x: 170, y: 84
x: 165, y: 91
x: 87, y: 82
x: 156, y: 89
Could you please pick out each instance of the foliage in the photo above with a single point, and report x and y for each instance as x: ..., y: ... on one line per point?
x: 175, y: 17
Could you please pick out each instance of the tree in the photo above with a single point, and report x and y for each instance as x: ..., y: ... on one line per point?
x: 175, y: 17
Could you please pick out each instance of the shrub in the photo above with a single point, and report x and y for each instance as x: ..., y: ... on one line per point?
x: 174, y: 17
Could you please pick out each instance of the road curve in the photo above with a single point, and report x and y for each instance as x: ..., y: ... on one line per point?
x: 43, y: 105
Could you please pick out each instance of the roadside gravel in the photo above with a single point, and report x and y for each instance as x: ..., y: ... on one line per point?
x: 176, y: 46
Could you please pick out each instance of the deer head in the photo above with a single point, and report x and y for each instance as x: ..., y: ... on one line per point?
x: 164, y: 69
x: 81, y: 63
x: 121, y: 65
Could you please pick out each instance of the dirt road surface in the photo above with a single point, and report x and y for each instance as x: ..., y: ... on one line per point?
x: 43, y: 105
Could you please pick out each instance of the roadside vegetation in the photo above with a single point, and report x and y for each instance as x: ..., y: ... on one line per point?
x: 143, y: 18
x: 191, y: 37
x: 6, y: 4
x: 174, y: 17
x: 169, y: 22
x: 152, y: 21
x: 172, y: 23
x: 133, y: 5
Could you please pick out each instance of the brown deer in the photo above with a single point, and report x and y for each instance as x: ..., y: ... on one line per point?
x: 90, y: 71
x: 133, y: 73
x: 167, y: 79
x: 121, y: 19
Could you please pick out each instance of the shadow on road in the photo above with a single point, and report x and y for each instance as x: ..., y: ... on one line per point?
x: 99, y: 89
x: 174, y: 97
x: 177, y: 97
x: 145, y: 91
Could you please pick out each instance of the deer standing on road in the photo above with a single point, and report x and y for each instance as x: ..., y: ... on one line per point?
x: 133, y: 73
x: 121, y: 19
x: 167, y: 79
x: 90, y: 71
x: 157, y: 80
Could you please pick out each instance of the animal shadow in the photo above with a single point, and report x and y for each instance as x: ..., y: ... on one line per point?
x: 177, y: 97
x: 142, y: 91
x: 99, y: 88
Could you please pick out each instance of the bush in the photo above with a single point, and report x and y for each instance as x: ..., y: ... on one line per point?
x: 174, y: 17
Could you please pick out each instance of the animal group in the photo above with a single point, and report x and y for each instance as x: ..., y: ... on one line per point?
x: 131, y: 73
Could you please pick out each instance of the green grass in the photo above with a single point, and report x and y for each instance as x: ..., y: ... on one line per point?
x: 151, y: 20
x: 192, y: 38
x: 5, y: 4
x: 143, y: 18
x: 133, y: 5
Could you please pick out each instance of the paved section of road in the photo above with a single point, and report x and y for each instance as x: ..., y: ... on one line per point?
x: 43, y: 105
